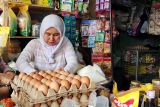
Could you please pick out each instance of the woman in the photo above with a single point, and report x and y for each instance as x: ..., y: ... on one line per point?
x: 52, y: 51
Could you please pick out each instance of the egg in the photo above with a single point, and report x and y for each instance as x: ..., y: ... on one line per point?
x: 49, y: 72
x: 29, y: 78
x: 62, y: 76
x: 85, y: 80
x: 66, y: 84
x: 24, y: 77
x: 44, y: 105
x: 69, y: 78
x: 33, y: 81
x: 54, y: 78
x: 57, y: 71
x: 48, y: 76
x: 38, y: 77
x: 59, y: 100
x: 49, y: 103
x: 48, y: 82
x: 57, y: 75
x: 43, y: 88
x: 44, y: 74
x: 55, y: 86
x: 53, y: 73
x: 77, y: 77
x: 41, y: 73
x: 44, y: 80
x: 76, y: 82
x: 71, y: 75
x: 21, y: 75
x: 66, y: 73
x: 37, y: 105
x: 37, y: 84
x: 58, y: 80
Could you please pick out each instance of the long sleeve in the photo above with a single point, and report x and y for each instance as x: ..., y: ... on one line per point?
x: 71, y: 58
x: 25, y: 58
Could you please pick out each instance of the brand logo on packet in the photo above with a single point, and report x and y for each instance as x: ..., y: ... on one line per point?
x: 128, y: 103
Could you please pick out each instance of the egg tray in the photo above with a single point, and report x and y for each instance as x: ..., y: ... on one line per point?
x: 34, y: 96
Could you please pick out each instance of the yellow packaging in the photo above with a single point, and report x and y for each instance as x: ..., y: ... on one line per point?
x: 128, y: 98
x: 4, y: 32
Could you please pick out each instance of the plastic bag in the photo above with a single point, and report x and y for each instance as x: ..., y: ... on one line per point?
x: 102, y: 101
x: 24, y: 21
x: 69, y: 103
x: 12, y: 22
x: 92, y: 72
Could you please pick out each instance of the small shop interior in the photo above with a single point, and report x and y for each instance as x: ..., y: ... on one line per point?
x: 117, y: 44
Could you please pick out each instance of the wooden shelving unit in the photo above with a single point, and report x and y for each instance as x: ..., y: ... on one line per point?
x: 23, y: 37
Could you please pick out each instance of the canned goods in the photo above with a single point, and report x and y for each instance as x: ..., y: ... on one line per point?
x: 35, y: 30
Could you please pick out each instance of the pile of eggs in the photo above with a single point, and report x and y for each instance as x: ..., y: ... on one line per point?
x: 43, y: 80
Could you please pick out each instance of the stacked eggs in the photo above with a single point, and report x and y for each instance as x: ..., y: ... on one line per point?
x: 44, y: 81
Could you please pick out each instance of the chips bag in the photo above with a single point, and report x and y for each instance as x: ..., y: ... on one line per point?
x: 128, y: 98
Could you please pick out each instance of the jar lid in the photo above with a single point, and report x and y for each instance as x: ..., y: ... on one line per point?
x: 156, y: 81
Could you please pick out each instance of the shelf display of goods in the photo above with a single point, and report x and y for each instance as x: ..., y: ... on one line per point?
x: 51, y: 88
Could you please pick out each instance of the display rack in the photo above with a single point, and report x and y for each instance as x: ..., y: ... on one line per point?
x: 141, y: 64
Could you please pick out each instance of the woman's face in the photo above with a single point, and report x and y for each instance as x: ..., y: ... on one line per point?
x: 52, y: 36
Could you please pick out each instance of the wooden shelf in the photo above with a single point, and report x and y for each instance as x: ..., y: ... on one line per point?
x: 23, y: 37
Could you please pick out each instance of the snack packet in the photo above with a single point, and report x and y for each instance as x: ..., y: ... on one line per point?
x: 128, y: 98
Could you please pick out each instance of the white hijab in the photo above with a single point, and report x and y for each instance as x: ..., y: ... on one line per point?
x: 56, y: 22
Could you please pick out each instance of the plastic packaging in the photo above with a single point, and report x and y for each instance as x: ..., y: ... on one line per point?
x: 24, y: 21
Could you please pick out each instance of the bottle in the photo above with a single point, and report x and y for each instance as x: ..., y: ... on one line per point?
x: 151, y: 100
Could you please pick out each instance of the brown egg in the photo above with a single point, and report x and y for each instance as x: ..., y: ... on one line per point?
x: 66, y: 84
x: 33, y: 82
x: 37, y: 105
x: 44, y: 80
x: 69, y: 78
x: 77, y: 77
x: 53, y: 73
x: 49, y: 72
x: 48, y: 76
x: 38, y: 77
x: 58, y: 80
x: 48, y: 82
x: 57, y: 75
x: 85, y: 80
x: 66, y: 73
x: 43, y: 88
x: 41, y: 72
x: 24, y: 77
x: 61, y: 72
x: 54, y: 78
x: 37, y: 84
x: 71, y: 75
x: 62, y: 77
x: 29, y: 78
x: 57, y: 70
x: 21, y: 75
x: 55, y: 86
x: 49, y: 103
x: 76, y: 82
x: 59, y: 100
x: 44, y: 74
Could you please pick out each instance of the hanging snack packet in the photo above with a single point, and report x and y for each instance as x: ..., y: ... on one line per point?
x: 12, y: 22
x: 4, y: 31
x: 24, y: 21
x: 67, y: 5
x: 85, y: 6
x: 128, y: 98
